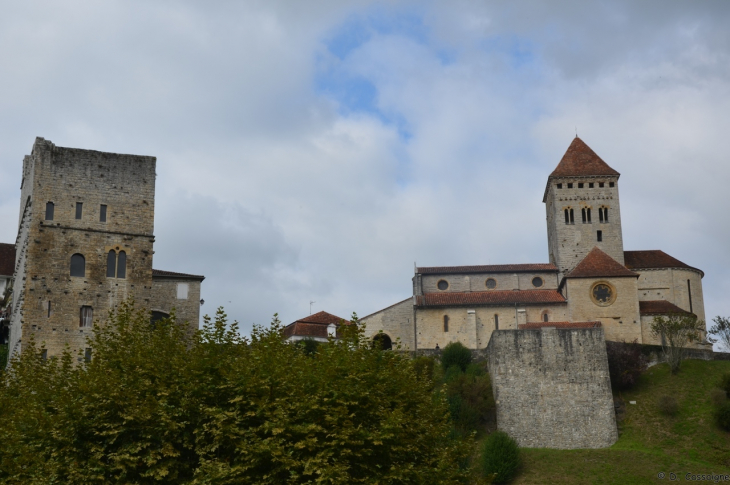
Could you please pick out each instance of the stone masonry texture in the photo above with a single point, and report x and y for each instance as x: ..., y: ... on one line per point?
x: 552, y: 387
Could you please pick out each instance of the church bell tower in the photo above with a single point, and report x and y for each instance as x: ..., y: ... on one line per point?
x: 582, y: 205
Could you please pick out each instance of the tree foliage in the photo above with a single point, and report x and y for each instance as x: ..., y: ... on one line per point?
x: 720, y: 332
x: 626, y: 363
x: 158, y: 405
x: 500, y: 457
x: 677, y: 331
x: 455, y: 353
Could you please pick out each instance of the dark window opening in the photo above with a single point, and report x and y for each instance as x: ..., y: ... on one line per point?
x: 446, y: 323
x: 442, y: 285
x: 599, y: 236
x: 610, y: 184
x: 689, y: 294
x: 382, y: 342
x: 570, y: 186
x: 567, y: 216
x: 44, y: 354
x: 102, y: 213
x: 156, y: 317
x: 588, y: 212
x: 111, y: 264
x: 600, y: 184
x: 49, y: 308
x: 491, y: 283
x: 537, y: 282
x: 580, y: 185
x: 560, y: 186
x: 49, y: 211
x: 583, y: 213
x: 496, y: 321
x: 572, y: 219
x: 87, y: 354
x: 122, y: 265
x: 86, y: 316
x: 545, y: 317
x: 605, y: 214
x: 590, y: 185
x: 79, y: 207
x: 78, y: 265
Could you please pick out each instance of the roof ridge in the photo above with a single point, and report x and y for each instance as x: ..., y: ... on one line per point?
x: 598, y: 263
x: 581, y: 160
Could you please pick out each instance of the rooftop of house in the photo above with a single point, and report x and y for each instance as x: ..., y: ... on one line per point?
x: 654, y: 259
x: 659, y: 307
x: 599, y: 264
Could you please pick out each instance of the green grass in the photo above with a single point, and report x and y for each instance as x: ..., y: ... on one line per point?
x: 649, y: 441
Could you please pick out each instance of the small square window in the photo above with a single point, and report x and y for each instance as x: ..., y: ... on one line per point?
x: 600, y: 184
x: 182, y: 291
x: 580, y: 185
x: 570, y: 186
x: 560, y: 186
x: 610, y: 184
x: 102, y: 213
x: 79, y: 207
x: 590, y: 185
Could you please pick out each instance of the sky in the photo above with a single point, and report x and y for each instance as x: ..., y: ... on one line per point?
x: 314, y: 151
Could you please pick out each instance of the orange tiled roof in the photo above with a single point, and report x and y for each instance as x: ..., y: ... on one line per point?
x: 599, y: 264
x: 7, y: 259
x: 580, y: 160
x: 313, y: 325
x: 529, y: 325
x: 659, y: 307
x: 489, y: 268
x: 497, y: 297
x: 653, y: 259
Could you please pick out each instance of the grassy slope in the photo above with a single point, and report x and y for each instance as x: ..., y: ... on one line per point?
x: 649, y: 441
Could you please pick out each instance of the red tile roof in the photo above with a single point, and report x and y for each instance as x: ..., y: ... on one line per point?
x: 7, y: 259
x: 158, y: 273
x: 529, y: 325
x: 659, y: 307
x: 313, y: 325
x: 490, y: 268
x: 653, y: 259
x: 322, y: 317
x: 599, y: 264
x: 496, y: 297
x: 580, y: 160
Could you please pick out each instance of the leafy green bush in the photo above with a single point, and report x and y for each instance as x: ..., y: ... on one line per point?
x: 722, y: 415
x: 725, y: 383
x: 156, y: 405
x: 470, y: 399
x: 500, y: 456
x: 668, y: 405
x: 456, y: 354
x: 309, y: 346
x: 423, y: 367
x: 626, y: 362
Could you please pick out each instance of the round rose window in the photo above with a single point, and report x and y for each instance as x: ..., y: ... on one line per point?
x: 442, y: 285
x: 603, y: 294
x: 537, y: 282
x: 491, y: 283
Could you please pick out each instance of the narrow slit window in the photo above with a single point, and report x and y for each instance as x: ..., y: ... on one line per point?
x: 600, y: 214
x: 572, y: 219
x: 567, y: 216
x: 86, y: 316
x: 111, y: 264
x: 122, y: 265
x: 496, y: 321
x: 78, y: 265
x: 87, y: 354
x: 689, y: 295
x: 588, y: 212
x: 446, y: 323
x: 605, y: 214
x: 599, y: 236
x: 49, y: 210
x: 102, y: 213
x: 583, y: 213
x: 79, y: 209
x: 49, y: 308
x: 545, y: 317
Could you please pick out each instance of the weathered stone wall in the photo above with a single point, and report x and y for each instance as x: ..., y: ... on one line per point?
x: 475, y: 329
x: 477, y: 281
x: 396, y: 321
x: 570, y: 243
x: 620, y: 320
x: 552, y: 387
x: 164, y: 298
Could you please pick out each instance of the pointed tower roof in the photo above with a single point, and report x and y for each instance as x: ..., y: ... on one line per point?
x: 599, y: 264
x: 580, y: 160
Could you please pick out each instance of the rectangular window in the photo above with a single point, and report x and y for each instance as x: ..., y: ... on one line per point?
x: 588, y: 211
x: 49, y: 308
x: 182, y: 291
x: 79, y: 206
x: 599, y: 236
x: 580, y: 185
x: 44, y: 354
x: 496, y: 322
x: 49, y: 211
x: 610, y: 184
x: 600, y: 184
x: 102, y: 213
x: 570, y: 186
x: 87, y: 354
x: 560, y: 186
x: 87, y: 314
x: 572, y: 218
x: 583, y: 213
x: 446, y: 323
x: 590, y: 185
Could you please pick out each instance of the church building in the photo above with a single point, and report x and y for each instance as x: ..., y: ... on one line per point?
x: 589, y: 281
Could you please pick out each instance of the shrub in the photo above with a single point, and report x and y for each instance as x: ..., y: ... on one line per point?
x: 500, y: 456
x: 626, y: 363
x: 722, y: 416
x: 718, y: 397
x: 668, y: 405
x: 725, y: 383
x: 457, y: 354
x: 471, y: 402
x: 309, y: 346
x: 423, y: 367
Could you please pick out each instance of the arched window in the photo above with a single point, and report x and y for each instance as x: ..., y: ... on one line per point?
x: 111, y: 264
x: 78, y: 265
x: 157, y: 316
x: 569, y: 218
x: 382, y: 342
x: 572, y: 219
x: 603, y: 214
x: 49, y: 211
x: 583, y: 213
x: 446, y: 323
x: 545, y: 316
x: 122, y: 265
x: 496, y: 321
x: 588, y: 211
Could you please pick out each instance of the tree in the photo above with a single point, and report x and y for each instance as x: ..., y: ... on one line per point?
x: 626, y: 363
x: 157, y: 405
x: 676, y: 331
x: 721, y: 330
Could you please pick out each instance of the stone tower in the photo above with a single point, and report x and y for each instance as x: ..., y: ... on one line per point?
x: 582, y: 204
x: 84, y: 242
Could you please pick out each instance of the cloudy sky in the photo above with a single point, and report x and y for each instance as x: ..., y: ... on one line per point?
x: 313, y: 151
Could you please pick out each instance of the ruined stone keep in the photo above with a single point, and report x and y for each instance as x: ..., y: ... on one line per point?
x: 589, y: 276
x: 85, y: 244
